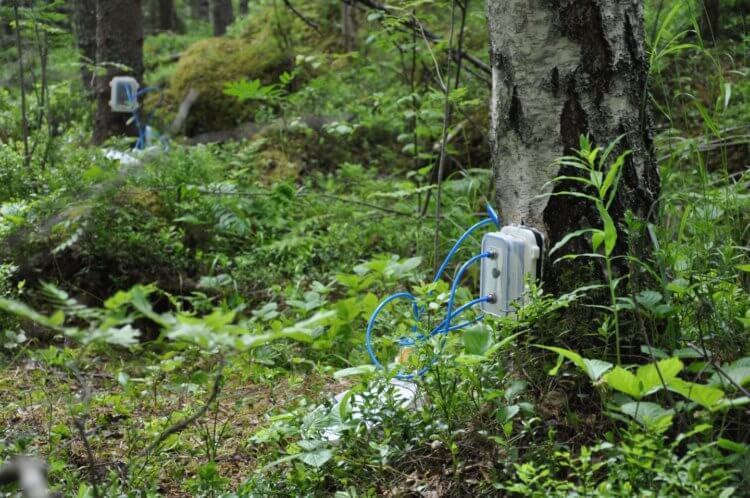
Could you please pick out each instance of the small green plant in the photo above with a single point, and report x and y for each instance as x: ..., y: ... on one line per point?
x: 599, y: 176
x: 638, y: 465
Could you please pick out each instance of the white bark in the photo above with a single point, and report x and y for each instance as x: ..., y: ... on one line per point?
x: 561, y: 68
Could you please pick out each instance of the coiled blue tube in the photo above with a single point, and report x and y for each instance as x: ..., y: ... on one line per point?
x: 140, y: 143
x: 444, y: 326
x: 457, y: 281
x: 371, y: 323
x: 492, y: 218
x: 457, y: 245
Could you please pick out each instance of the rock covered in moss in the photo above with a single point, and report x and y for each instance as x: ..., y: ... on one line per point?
x: 270, y: 40
x: 210, y: 64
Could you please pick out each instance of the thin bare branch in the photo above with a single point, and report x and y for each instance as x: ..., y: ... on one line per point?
x: 187, y: 422
x: 304, y: 18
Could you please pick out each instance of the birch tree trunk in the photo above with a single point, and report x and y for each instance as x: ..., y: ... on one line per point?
x: 119, y: 39
x: 560, y: 69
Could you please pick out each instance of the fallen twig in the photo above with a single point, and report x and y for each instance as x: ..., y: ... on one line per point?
x: 182, y: 113
x: 187, y: 422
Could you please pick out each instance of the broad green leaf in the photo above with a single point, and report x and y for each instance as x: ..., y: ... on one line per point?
x: 120, y: 298
x: 20, y: 309
x: 570, y: 236
x: 319, y: 319
x: 351, y: 371
x: 477, y: 339
x: 593, y: 368
x: 652, y: 375
x: 140, y: 302
x: 316, y: 458
x: 514, y: 389
x: 123, y: 336
x: 57, y: 318
x: 471, y: 359
x: 650, y: 415
x: 401, y: 269
x: 501, y: 344
x: 554, y: 370
x: 597, y: 239
x: 595, y: 177
x: 648, y: 299
x: 738, y: 373
x: 506, y: 413
x: 596, y: 368
x: 706, y: 396
x: 687, y: 353
x: 621, y: 380
x: 612, y: 175
x: 654, y: 352
x: 566, y: 353
x: 732, y: 446
x: 610, y: 232
x: 731, y: 403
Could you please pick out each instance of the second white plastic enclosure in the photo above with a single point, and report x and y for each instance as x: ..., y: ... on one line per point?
x: 123, y: 94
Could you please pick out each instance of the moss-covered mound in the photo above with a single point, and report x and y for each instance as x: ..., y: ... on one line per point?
x: 267, y: 43
x: 211, y: 63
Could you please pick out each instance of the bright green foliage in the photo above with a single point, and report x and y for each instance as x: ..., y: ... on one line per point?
x: 639, y: 465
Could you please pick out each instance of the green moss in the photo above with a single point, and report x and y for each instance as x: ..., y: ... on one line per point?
x: 211, y: 63
x: 266, y: 46
x: 276, y: 166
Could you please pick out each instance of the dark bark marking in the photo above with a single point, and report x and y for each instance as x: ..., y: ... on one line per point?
x: 501, y: 62
x: 555, y: 81
x: 636, y: 56
x: 573, y: 120
x: 515, y: 113
x: 581, y: 21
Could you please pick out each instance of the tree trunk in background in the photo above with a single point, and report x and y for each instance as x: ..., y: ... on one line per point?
x: 150, y: 16
x: 199, y: 9
x: 348, y: 26
x: 167, y: 16
x: 562, y: 68
x: 711, y: 20
x: 84, y: 16
x: 222, y: 15
x: 244, y: 7
x: 119, y: 39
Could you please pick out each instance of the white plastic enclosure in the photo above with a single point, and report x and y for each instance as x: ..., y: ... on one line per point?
x: 517, y: 252
x: 122, y: 97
